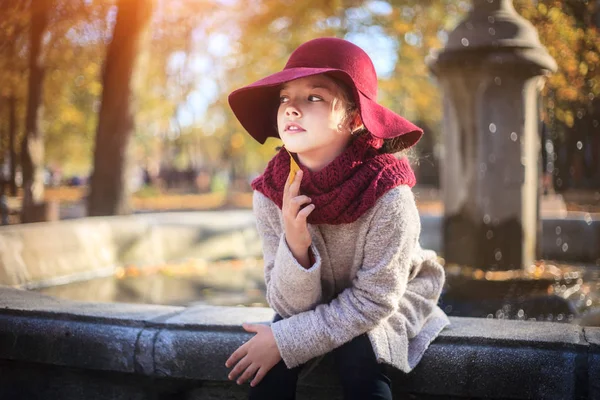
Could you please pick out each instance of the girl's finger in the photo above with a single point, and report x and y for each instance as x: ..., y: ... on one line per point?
x: 294, y: 188
x: 259, y: 376
x: 296, y: 203
x: 240, y: 367
x: 236, y: 355
x: 248, y: 373
x: 251, y: 327
x: 286, y: 190
x: 305, y: 212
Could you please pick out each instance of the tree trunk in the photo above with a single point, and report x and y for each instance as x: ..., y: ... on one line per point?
x: 32, y: 152
x: 109, y: 191
x: 12, y: 144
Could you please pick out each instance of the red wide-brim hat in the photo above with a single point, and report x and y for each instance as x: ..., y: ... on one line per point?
x: 255, y: 105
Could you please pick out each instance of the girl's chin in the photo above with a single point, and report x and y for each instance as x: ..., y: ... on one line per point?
x: 291, y: 148
x: 293, y: 145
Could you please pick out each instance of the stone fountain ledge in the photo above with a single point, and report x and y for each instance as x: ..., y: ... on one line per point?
x: 51, y: 348
x: 51, y: 253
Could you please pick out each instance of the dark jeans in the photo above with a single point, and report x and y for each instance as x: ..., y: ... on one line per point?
x: 361, y: 377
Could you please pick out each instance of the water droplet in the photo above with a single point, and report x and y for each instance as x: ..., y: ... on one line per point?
x: 469, y: 25
x: 560, y: 317
x: 514, y: 136
x: 588, y: 218
x: 591, y: 96
x: 492, y: 31
x: 464, y: 41
x: 498, y: 255
x: 489, y: 235
x: 580, y: 114
x: 490, y: 316
x: 558, y: 182
x: 486, y: 219
x: 492, y: 158
x: 492, y: 128
x: 558, y: 242
x: 491, y: 19
x: 490, y: 1
x: 482, y: 168
x: 498, y: 81
x: 579, y: 145
x: 499, y: 314
x: 448, y: 309
x: 565, y: 247
x: 595, y: 123
x: 557, y: 230
x: 520, y: 313
x: 588, y: 302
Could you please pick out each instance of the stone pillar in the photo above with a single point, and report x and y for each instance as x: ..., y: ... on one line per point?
x: 491, y: 71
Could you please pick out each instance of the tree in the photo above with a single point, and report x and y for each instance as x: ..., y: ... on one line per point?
x: 109, y: 189
x: 78, y: 34
x: 32, y: 150
x: 14, y: 21
x: 571, y: 97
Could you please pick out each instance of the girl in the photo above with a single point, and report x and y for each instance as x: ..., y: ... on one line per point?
x: 343, y: 268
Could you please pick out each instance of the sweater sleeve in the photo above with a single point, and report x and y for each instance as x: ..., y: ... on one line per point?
x: 291, y: 288
x: 422, y: 291
x: 375, y: 291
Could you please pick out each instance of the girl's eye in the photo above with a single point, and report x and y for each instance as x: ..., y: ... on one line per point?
x: 314, y: 98
x: 283, y: 99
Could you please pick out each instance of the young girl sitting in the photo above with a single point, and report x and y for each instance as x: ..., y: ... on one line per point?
x: 343, y: 267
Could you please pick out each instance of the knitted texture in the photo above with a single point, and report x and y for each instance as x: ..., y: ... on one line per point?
x: 347, y: 187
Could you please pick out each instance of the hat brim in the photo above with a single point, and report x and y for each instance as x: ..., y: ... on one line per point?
x: 386, y: 124
x: 255, y: 106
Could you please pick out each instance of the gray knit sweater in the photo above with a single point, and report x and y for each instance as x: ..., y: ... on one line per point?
x: 369, y: 276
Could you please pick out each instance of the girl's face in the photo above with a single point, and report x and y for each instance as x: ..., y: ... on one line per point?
x: 311, y: 120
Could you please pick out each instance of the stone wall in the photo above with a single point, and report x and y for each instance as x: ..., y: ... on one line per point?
x: 57, y: 349
x: 45, y: 254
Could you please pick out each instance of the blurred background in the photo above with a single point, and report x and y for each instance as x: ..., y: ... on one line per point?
x: 119, y: 107
x: 137, y: 90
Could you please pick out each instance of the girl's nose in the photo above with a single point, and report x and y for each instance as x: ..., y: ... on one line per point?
x: 292, y: 110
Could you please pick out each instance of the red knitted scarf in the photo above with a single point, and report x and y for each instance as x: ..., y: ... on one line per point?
x: 347, y: 187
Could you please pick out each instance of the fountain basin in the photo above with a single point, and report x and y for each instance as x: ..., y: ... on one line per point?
x: 61, y: 349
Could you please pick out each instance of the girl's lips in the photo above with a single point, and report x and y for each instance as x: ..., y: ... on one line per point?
x: 293, y: 128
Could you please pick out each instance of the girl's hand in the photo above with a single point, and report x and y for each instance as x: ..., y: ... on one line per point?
x: 294, y: 220
x: 255, y: 357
